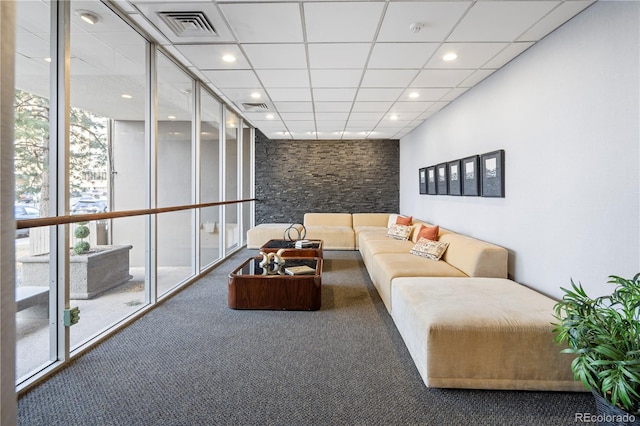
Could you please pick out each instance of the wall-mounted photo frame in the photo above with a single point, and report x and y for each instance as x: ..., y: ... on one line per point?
x: 492, y: 173
x: 442, y: 179
x: 470, y: 176
x: 431, y: 180
x: 455, y: 183
x: 422, y: 180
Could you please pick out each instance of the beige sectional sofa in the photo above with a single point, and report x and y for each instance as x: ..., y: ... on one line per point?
x: 464, y: 323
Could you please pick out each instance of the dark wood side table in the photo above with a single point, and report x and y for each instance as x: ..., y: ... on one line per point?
x: 249, y: 289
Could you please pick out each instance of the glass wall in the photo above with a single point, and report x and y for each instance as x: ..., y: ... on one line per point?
x: 175, y: 230
x: 125, y: 154
x: 32, y: 146
x: 231, y: 191
x: 108, y: 92
x: 210, y: 235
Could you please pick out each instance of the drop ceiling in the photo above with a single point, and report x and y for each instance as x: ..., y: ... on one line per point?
x: 346, y: 69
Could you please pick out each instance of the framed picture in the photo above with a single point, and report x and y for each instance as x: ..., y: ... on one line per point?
x: 470, y: 176
x: 492, y: 173
x: 431, y: 180
x: 443, y: 180
x: 453, y: 171
x: 422, y: 179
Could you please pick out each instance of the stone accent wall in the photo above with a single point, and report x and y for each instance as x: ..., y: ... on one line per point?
x: 341, y: 176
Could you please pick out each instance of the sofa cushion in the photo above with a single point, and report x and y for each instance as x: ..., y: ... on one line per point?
x: 328, y: 219
x: 370, y: 220
x: 498, y: 336
x: 428, y: 232
x: 333, y: 237
x: 399, y: 232
x: 474, y: 257
x: 260, y: 234
x: 430, y: 249
x: 404, y: 220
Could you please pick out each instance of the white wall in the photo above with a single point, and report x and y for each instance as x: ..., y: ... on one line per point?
x: 566, y: 113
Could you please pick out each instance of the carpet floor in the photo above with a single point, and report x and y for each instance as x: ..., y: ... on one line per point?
x: 193, y: 361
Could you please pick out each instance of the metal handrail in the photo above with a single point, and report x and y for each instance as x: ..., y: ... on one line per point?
x: 62, y: 220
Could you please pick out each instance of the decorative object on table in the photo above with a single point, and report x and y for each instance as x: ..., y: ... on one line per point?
x: 470, y: 178
x: 453, y: 172
x: 431, y: 180
x: 442, y: 179
x: 422, y: 180
x: 604, y: 334
x: 272, y: 263
x: 492, y: 173
x: 299, y: 233
x: 299, y: 270
x: 303, y: 244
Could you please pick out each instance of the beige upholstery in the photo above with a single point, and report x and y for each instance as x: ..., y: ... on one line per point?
x: 334, y: 229
x: 480, y: 333
x: 260, y: 234
x: 368, y: 222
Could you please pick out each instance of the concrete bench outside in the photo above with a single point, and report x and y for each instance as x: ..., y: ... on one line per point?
x: 28, y: 296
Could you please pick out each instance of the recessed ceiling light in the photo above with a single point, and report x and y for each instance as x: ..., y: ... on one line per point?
x: 229, y: 58
x: 88, y: 16
x: 394, y: 117
x: 450, y: 57
x: 171, y: 117
x: 126, y: 96
x: 47, y: 59
x: 256, y: 95
x: 269, y: 116
x: 414, y: 95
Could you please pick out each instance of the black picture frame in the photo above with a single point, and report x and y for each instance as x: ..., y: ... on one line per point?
x: 442, y: 179
x: 453, y: 172
x: 470, y: 170
x: 422, y: 180
x: 431, y: 180
x: 492, y: 173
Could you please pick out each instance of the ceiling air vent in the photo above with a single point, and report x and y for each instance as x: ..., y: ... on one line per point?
x: 254, y: 107
x: 188, y: 24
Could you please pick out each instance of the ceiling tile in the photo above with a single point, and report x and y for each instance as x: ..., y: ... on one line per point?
x: 335, y: 78
x: 284, y: 94
x: 476, y: 78
x: 510, y: 52
x: 454, y: 93
x: 470, y: 55
x: 342, y: 21
x: 331, y: 116
x: 402, y: 107
x: 372, y: 106
x: 265, y: 22
x: 438, y: 19
x: 301, y: 126
x: 236, y: 78
x: 284, y: 78
x: 553, y: 20
x: 333, y: 106
x: 281, y: 56
x: 248, y: 94
x: 277, y: 135
x: 294, y: 106
x: 297, y: 116
x: 209, y: 56
x: 401, y: 55
x: 338, y: 55
x: 361, y: 116
x: 423, y: 94
x: 388, y: 78
x: 324, y: 95
x: 500, y: 20
x: 440, y: 78
x: 378, y: 94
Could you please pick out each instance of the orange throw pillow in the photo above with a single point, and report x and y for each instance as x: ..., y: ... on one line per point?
x: 404, y: 220
x: 429, y: 233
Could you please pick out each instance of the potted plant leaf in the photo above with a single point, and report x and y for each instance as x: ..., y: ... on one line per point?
x: 604, y: 334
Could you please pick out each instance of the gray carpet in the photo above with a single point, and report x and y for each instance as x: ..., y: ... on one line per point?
x: 194, y: 361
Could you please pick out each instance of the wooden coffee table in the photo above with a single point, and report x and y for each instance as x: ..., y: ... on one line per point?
x: 315, y: 250
x: 249, y: 289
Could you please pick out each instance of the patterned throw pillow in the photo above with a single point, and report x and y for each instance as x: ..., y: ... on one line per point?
x: 399, y: 232
x: 430, y: 249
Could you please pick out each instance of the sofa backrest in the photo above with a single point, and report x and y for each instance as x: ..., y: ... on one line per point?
x: 474, y: 257
x: 327, y: 219
x: 370, y: 219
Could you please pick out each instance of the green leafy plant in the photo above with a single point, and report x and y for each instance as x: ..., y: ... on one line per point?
x: 82, y: 231
x: 604, y: 333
